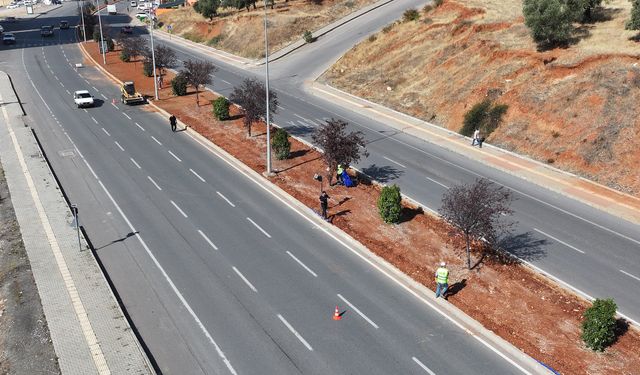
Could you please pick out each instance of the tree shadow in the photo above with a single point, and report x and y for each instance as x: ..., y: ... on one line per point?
x: 523, y: 246
x: 298, y: 153
x: 455, y: 288
x: 299, y: 131
x: 386, y: 134
x: 408, y: 213
x: 299, y: 164
x: 622, y: 326
x: 382, y: 174
x: 130, y: 234
x: 601, y: 14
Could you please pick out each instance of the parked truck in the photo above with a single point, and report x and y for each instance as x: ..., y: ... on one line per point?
x: 111, y: 9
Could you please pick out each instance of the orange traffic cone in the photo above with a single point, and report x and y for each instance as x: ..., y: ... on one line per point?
x: 336, y: 314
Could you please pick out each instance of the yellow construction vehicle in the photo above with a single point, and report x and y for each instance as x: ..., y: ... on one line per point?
x: 129, y: 95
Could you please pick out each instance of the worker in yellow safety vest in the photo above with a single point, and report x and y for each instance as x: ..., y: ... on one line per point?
x: 339, y: 174
x: 442, y: 280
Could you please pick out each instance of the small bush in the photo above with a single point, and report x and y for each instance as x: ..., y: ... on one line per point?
x: 308, y: 36
x: 179, y: 84
x: 110, y: 45
x: 427, y: 8
x: 390, y: 204
x: 216, y: 40
x: 96, y: 33
x: 281, y: 145
x: 147, y: 68
x: 599, y: 325
x: 437, y: 3
x: 372, y: 38
x: 124, y: 56
x: 410, y: 15
x: 221, y: 108
x: 388, y: 28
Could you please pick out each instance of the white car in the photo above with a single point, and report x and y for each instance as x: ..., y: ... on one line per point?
x: 82, y: 98
x: 133, y: 4
x: 141, y: 7
x: 1, y: 29
x: 13, y: 6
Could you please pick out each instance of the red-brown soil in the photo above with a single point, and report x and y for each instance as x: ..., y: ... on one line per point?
x: 522, y: 307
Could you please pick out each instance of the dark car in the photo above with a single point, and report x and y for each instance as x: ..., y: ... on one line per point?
x: 46, y: 31
x: 8, y: 38
x: 126, y: 30
x: 64, y: 25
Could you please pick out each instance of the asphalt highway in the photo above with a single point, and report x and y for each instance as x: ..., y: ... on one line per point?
x: 218, y: 274
x: 591, y: 251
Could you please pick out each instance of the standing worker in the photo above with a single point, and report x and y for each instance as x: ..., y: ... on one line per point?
x: 173, y: 122
x: 324, y: 203
x: 442, y: 280
x: 476, y: 137
x: 339, y: 173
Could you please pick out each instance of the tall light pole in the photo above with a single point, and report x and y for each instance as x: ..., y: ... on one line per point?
x: 104, y: 52
x: 266, y: 69
x: 153, y: 57
x: 84, y: 29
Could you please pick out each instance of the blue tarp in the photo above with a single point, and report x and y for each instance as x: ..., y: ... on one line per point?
x: 346, y: 180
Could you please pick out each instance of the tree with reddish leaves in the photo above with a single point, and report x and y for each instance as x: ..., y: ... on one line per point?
x: 339, y: 146
x: 198, y: 73
x: 476, y: 210
x: 251, y: 97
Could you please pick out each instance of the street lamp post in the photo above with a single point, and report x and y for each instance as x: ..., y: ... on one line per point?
x: 153, y: 59
x: 104, y: 52
x: 266, y: 65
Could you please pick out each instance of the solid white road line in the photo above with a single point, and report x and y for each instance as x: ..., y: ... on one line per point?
x: 105, y: 98
x: 126, y: 115
x: 425, y: 368
x: 257, y: 226
x: 439, y: 183
x: 208, y: 240
x: 557, y: 240
x: 157, y: 141
x: 174, y: 155
x: 225, y: 198
x: 302, y: 264
x: 136, y: 163
x: 630, y: 275
x: 245, y: 280
x: 197, y: 175
x: 393, y: 161
x: 94, y: 120
x: 302, y: 340
x: 154, y: 183
x: 118, y: 144
x: 140, y: 126
x: 178, y: 208
x: 358, y: 311
x: 106, y: 132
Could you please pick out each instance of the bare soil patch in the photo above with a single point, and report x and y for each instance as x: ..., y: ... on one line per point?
x: 242, y: 33
x: 524, y: 308
x: 574, y: 108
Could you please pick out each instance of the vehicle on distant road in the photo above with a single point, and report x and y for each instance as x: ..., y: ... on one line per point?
x: 46, y: 31
x: 64, y: 25
x: 142, y: 16
x: 13, y: 6
x: 129, y: 95
x: 1, y: 29
x: 8, y: 38
x: 133, y: 4
x: 126, y: 30
x: 111, y: 9
x: 141, y: 6
x: 10, y: 19
x: 82, y: 98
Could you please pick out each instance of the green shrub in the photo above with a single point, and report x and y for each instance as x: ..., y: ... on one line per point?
x: 281, y: 145
x: 390, y: 204
x: 549, y: 21
x: 599, y: 326
x: 110, y: 45
x: 221, y: 108
x: 216, y: 40
x: 96, y: 33
x: 308, y: 36
x: 634, y: 22
x: 147, y: 68
x: 410, y: 15
x: 124, y: 56
x: 179, y: 84
x: 484, y: 116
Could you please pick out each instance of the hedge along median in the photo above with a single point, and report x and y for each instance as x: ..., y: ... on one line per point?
x: 523, y: 307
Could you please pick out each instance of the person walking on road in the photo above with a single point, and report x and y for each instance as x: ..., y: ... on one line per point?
x: 476, y: 137
x: 174, y: 123
x: 442, y: 280
x: 324, y: 203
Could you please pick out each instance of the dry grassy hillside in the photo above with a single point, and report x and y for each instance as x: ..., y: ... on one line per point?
x: 574, y: 107
x: 242, y: 33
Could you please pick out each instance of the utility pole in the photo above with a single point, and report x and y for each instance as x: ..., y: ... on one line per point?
x: 74, y: 210
x: 104, y: 52
x: 266, y: 68
x: 84, y: 29
x: 153, y: 58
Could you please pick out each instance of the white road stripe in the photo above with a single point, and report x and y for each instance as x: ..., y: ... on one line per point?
x: 118, y: 144
x: 85, y: 110
x: 302, y: 340
x: 557, y: 240
x: 87, y: 82
x: 126, y: 115
x: 197, y: 175
x: 136, y: 163
x: 157, y: 141
x: 154, y: 183
x: 114, y: 106
x: 56, y: 77
x: 225, y: 198
x: 302, y: 264
x: 179, y: 209
x: 439, y: 183
x: 245, y: 280
x: 300, y: 117
x: 393, y: 161
x: 141, y: 128
x: 95, y: 88
x: 174, y: 155
x: 227, y: 82
x: 105, y: 98
x: 106, y: 132
x: 358, y: 311
x: 68, y: 92
x: 257, y: 226
x: 630, y: 275
x: 425, y: 368
x: 94, y: 120
x: 61, y: 84
x: 208, y: 240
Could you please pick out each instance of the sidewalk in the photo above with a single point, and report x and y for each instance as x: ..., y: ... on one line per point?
x: 89, y: 332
